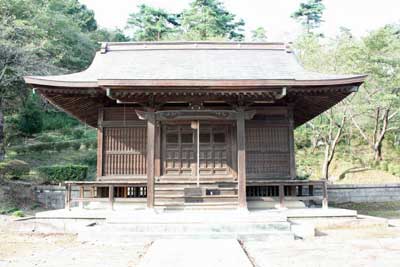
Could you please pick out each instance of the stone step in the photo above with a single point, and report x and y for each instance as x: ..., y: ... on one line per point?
x: 110, y: 237
x: 203, y: 198
x: 196, y: 228
x: 174, y: 191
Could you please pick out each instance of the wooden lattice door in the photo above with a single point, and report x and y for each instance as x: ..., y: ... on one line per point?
x: 180, y: 150
x: 214, y: 150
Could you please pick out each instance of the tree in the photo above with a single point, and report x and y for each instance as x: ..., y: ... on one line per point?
x: 373, y: 113
x: 105, y: 35
x: 376, y: 110
x: 209, y: 19
x: 151, y: 24
x: 81, y: 15
x: 259, y: 35
x: 309, y: 14
x: 331, y: 138
x: 38, y: 38
x: 30, y: 118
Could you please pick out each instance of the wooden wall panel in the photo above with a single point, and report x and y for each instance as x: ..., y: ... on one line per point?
x: 120, y: 114
x: 124, y: 151
x: 267, y: 150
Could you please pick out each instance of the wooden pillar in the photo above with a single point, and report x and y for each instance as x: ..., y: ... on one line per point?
x: 68, y: 197
x: 282, y: 196
x: 311, y: 190
x: 111, y: 196
x: 325, y: 195
x: 151, y: 127
x: 92, y: 190
x: 157, y: 161
x: 291, y: 144
x: 100, y: 143
x: 81, y: 196
x: 300, y: 191
x: 241, y: 159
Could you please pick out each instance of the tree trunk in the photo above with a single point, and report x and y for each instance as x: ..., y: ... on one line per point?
x: 2, y: 151
x: 379, y: 136
x: 330, y: 145
x: 378, y: 152
x: 326, y: 163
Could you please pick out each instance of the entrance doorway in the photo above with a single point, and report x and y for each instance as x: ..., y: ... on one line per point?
x: 209, y: 155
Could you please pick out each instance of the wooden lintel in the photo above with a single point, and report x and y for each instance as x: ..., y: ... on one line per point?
x: 195, y: 115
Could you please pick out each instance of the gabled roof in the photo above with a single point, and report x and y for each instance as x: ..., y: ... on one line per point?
x: 194, y: 64
x: 152, y: 70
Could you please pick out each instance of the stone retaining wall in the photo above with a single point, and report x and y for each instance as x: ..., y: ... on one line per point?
x: 363, y: 193
x: 52, y: 196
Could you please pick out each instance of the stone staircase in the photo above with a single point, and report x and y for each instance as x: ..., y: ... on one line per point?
x: 187, y: 196
x: 150, y: 226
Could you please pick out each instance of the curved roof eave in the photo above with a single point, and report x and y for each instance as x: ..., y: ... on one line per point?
x: 42, y: 81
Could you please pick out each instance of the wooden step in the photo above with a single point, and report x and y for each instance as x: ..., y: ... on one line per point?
x: 220, y: 192
x: 202, y: 204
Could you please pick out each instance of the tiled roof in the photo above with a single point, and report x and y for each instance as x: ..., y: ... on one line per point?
x: 193, y: 63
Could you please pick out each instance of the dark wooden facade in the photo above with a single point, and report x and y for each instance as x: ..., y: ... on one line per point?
x: 189, y: 141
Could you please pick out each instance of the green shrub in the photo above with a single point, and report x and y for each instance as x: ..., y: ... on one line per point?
x: 303, y: 176
x: 384, y: 166
x: 76, y: 145
x: 396, y: 170
x: 55, y: 146
x: 14, y: 169
x: 90, y: 143
x: 55, y: 120
x: 59, y: 173
x: 8, y: 211
x: 18, y: 213
x: 78, y: 133
x: 90, y: 159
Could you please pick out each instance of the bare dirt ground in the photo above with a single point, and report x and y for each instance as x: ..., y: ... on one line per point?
x: 376, y: 246
x: 368, y: 247
x: 61, y: 250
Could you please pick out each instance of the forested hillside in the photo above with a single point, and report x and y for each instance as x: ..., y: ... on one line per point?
x: 358, y: 140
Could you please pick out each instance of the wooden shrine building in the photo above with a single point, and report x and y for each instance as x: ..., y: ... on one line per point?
x: 195, y: 123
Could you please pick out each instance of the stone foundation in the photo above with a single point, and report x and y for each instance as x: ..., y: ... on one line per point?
x: 53, y: 197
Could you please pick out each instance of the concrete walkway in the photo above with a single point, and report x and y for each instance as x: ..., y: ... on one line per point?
x: 190, y: 252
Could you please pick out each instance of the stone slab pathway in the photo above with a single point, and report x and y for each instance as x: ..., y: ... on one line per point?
x: 191, y: 252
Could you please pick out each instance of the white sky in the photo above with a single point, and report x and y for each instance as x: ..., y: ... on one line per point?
x: 360, y: 16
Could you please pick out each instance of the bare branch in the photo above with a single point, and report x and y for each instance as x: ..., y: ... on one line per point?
x: 362, y: 133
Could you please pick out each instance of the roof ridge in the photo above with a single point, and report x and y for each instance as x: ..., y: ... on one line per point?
x: 192, y: 45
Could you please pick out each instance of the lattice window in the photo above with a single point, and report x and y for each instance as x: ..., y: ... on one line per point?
x: 125, y: 151
x: 267, y: 151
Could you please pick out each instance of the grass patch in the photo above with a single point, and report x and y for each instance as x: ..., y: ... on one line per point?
x: 5, y: 210
x: 389, y: 210
x: 18, y: 213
